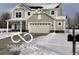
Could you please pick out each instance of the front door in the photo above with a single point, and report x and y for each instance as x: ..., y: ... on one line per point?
x: 14, y: 26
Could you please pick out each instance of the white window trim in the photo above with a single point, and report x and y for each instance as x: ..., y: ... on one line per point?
x: 21, y: 14
x: 28, y: 12
x: 59, y: 22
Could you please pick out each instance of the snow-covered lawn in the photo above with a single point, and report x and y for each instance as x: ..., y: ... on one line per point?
x: 51, y: 44
x: 6, y: 34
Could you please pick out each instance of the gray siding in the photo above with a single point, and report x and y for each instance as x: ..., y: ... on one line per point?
x: 59, y: 27
x: 14, y: 13
x: 44, y: 18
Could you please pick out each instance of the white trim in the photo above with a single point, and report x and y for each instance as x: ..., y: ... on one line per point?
x: 54, y: 25
x: 64, y: 25
x: 17, y: 7
x: 17, y: 19
x: 20, y: 26
x: 21, y: 14
x: 29, y: 26
x: 40, y: 22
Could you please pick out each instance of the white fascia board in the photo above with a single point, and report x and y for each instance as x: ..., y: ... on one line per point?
x: 16, y: 19
x: 17, y: 7
x: 60, y: 17
x: 50, y: 6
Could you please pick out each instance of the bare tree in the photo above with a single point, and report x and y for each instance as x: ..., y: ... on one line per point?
x: 69, y: 22
x: 5, y: 16
x: 77, y: 19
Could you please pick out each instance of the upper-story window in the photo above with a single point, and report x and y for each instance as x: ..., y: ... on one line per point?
x: 52, y: 12
x: 28, y: 13
x: 18, y: 15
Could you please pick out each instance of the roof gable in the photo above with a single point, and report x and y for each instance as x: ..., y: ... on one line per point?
x: 44, y: 18
x: 45, y: 5
x: 22, y: 6
x: 29, y: 6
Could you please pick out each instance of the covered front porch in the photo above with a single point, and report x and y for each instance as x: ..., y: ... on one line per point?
x: 16, y: 25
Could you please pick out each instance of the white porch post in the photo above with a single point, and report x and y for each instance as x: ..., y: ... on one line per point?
x: 7, y: 26
x: 54, y: 25
x: 20, y: 26
x: 64, y: 26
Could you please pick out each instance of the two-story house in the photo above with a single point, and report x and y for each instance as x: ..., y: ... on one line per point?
x: 37, y: 18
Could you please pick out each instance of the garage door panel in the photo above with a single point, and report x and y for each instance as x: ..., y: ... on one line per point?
x: 39, y: 28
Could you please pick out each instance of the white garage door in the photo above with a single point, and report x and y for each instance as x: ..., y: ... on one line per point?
x: 39, y: 27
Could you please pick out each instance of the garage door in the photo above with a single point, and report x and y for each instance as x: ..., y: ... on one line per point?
x: 39, y: 27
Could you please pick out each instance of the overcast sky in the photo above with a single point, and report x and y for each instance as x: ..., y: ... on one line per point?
x: 67, y: 8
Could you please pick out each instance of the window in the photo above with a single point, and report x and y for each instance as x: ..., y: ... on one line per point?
x: 52, y: 12
x: 28, y: 13
x: 59, y: 23
x: 18, y: 14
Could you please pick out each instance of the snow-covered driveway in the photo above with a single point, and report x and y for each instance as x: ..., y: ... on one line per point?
x: 50, y: 44
x: 6, y: 34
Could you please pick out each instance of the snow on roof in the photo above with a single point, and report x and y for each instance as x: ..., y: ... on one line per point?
x: 44, y: 5
x: 60, y: 17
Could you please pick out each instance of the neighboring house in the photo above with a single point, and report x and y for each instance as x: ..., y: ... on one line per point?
x: 37, y: 18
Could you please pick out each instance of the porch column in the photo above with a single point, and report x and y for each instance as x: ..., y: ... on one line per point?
x: 7, y: 26
x: 20, y: 26
x: 54, y: 26
x: 64, y: 26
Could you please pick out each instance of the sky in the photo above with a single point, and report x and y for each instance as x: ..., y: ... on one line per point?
x: 67, y: 8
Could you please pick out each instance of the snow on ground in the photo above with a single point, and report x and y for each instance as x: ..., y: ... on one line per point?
x: 53, y: 43
x: 6, y: 34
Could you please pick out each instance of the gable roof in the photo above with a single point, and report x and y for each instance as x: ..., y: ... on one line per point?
x: 44, y: 18
x: 45, y: 5
x: 22, y: 5
x: 30, y: 6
